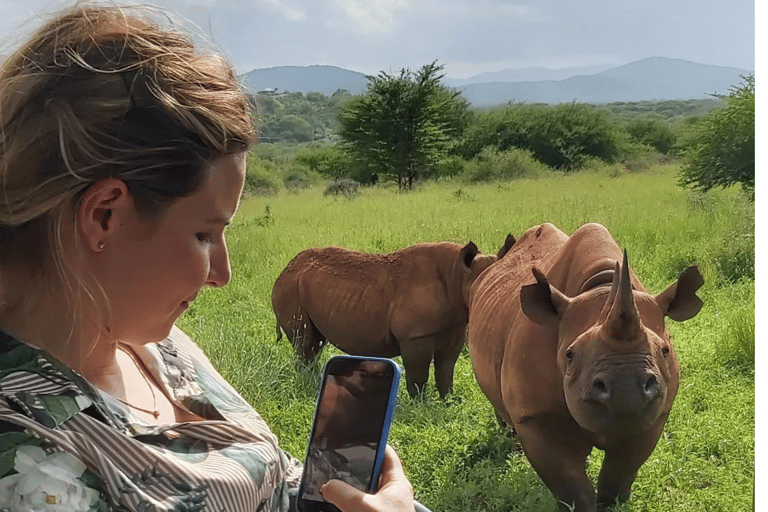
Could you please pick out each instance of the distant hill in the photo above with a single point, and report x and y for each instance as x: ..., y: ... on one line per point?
x: 525, y: 75
x: 654, y: 78
x: 323, y: 79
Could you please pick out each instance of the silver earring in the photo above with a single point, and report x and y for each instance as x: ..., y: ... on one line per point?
x: 101, y: 245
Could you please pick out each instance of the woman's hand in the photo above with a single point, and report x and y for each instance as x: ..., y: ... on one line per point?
x: 395, y: 492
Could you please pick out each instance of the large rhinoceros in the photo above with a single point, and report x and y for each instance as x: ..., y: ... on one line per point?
x: 572, y: 352
x: 412, y: 302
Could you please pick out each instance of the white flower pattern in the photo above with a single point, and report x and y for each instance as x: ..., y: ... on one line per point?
x: 46, y: 483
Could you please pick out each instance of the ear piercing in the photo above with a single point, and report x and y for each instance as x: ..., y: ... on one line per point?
x: 101, y: 245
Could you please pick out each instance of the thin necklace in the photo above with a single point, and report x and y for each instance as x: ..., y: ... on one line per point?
x: 155, y: 413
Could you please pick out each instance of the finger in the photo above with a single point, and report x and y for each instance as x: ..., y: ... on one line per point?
x: 343, y: 495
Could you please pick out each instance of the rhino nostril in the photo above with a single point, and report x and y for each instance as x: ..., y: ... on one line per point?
x: 651, y: 388
x: 600, y: 390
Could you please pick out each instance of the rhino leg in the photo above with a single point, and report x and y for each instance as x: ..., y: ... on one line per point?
x: 306, y: 338
x: 445, y: 362
x: 417, y: 355
x: 559, y: 459
x: 621, y: 464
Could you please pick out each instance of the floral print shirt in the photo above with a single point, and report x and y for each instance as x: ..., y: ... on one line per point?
x: 67, y: 446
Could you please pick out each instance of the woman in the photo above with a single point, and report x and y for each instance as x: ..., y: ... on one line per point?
x: 122, y: 160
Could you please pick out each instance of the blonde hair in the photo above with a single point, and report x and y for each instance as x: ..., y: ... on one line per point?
x: 98, y: 92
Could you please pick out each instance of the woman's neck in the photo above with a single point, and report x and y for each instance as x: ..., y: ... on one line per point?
x: 45, y: 325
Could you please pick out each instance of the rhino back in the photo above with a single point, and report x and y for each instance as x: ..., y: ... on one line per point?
x: 496, y: 322
x: 360, y: 300
x: 588, y: 251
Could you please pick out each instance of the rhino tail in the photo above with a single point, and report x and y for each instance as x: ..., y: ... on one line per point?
x: 278, y: 330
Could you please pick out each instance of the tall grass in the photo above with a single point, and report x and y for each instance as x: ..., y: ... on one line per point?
x: 453, y: 451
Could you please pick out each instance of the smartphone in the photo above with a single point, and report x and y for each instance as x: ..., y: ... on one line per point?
x: 355, y: 404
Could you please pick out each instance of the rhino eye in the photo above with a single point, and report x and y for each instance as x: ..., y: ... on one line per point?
x: 569, y: 355
x: 665, y: 351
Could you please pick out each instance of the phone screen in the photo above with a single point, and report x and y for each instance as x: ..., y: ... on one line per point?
x: 351, y: 424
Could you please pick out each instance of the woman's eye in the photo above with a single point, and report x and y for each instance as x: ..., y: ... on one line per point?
x: 205, y: 237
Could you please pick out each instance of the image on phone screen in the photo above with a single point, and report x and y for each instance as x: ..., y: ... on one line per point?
x: 351, y: 414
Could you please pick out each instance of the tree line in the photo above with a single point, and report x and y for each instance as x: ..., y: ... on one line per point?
x: 409, y: 127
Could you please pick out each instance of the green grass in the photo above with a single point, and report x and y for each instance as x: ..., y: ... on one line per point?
x: 456, y: 456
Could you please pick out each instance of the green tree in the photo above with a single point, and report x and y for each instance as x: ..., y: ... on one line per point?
x: 404, y: 123
x: 723, y: 151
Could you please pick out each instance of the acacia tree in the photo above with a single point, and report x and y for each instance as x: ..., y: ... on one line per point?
x: 723, y: 152
x: 403, y: 124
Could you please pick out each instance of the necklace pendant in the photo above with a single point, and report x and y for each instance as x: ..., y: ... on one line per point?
x: 156, y: 414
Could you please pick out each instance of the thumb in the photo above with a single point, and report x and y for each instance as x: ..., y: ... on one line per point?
x: 343, y: 495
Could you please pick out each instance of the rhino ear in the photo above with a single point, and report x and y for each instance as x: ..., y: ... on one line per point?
x: 679, y: 301
x: 467, y: 256
x: 542, y: 302
x: 508, y: 243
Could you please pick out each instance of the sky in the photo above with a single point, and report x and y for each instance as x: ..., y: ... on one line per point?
x: 468, y: 37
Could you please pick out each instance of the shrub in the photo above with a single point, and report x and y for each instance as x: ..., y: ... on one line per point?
x: 560, y: 136
x: 261, y: 184
x: 342, y: 187
x: 654, y: 132
x: 495, y: 165
x: 644, y: 160
x: 296, y: 177
x: 448, y: 167
x: 260, y: 177
x: 686, y: 131
x: 330, y: 161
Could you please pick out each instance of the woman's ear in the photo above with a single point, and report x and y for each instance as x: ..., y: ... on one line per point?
x: 101, y: 211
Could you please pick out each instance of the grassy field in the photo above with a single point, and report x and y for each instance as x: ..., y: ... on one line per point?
x: 453, y: 451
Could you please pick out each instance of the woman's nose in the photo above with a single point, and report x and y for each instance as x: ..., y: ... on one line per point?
x: 219, y: 273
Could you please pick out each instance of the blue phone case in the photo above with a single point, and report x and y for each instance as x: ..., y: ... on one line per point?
x: 387, y: 423
x: 390, y: 408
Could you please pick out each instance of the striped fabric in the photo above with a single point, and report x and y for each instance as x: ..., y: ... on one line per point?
x: 231, y: 462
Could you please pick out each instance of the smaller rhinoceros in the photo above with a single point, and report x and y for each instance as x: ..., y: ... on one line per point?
x: 412, y: 302
x: 572, y: 351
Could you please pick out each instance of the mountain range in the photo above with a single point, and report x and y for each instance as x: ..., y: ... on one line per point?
x: 653, y: 78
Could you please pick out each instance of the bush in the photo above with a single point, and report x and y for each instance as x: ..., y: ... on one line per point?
x: 342, y: 187
x: 654, y: 132
x: 560, y: 136
x: 296, y: 177
x: 686, y: 131
x: 448, y: 167
x: 723, y: 152
x: 261, y: 184
x: 293, y: 128
x: 495, y: 165
x: 260, y: 177
x: 330, y: 161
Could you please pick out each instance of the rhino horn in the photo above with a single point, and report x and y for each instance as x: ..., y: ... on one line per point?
x: 612, y: 294
x: 623, y: 320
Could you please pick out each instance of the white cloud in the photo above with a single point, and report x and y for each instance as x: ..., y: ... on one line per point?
x: 291, y: 11
x: 373, y: 16
x: 466, y: 11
